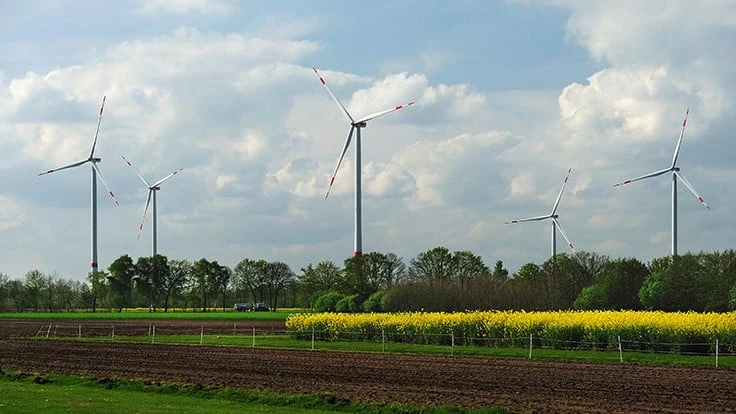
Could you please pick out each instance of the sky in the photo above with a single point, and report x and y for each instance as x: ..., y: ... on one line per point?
x: 509, y: 95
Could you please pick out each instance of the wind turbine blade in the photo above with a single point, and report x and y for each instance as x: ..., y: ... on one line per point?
x: 104, y: 182
x: 130, y: 164
x: 679, y: 140
x: 528, y: 219
x: 145, y: 210
x: 339, y: 161
x: 559, y: 196
x: 76, y: 164
x: 562, y: 231
x: 654, y: 174
x: 334, y: 98
x: 384, y: 112
x: 692, y: 189
x: 97, y: 131
x: 159, y: 182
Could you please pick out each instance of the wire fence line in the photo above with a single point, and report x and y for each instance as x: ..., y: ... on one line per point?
x: 244, y: 334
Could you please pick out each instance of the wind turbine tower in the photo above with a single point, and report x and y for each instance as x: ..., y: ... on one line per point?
x: 152, y: 189
x: 553, y: 216
x: 676, y: 174
x: 95, y: 172
x: 355, y: 126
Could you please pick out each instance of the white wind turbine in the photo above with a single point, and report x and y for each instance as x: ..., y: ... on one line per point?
x: 675, y: 170
x: 152, y: 188
x: 95, y: 171
x: 552, y: 216
x: 355, y: 125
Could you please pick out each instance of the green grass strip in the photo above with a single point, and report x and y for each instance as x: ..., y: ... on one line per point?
x: 51, y: 394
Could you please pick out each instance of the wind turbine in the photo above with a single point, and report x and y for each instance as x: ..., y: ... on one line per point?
x: 355, y: 125
x: 152, y: 188
x: 675, y: 170
x: 552, y: 216
x: 95, y: 171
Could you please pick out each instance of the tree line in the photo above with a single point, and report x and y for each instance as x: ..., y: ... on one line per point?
x: 435, y: 280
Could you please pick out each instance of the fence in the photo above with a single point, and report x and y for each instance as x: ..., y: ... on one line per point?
x: 531, y: 347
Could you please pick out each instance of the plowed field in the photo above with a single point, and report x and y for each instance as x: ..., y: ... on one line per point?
x: 521, y: 385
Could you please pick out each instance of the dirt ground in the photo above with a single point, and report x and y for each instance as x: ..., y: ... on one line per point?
x: 520, y: 385
x: 23, y: 328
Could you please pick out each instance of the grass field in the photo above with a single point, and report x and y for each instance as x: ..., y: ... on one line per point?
x: 132, y: 314
x: 54, y: 394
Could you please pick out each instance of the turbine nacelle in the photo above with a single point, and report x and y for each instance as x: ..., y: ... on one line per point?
x: 360, y: 124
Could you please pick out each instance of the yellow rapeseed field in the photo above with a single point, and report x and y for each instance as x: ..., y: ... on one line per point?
x: 581, y: 329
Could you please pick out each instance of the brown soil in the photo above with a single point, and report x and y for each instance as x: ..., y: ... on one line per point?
x: 521, y: 385
x: 24, y: 328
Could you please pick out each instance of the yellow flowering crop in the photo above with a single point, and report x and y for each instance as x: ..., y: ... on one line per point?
x: 580, y: 329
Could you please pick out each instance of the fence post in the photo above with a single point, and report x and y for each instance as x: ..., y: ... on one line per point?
x: 153, y: 335
x: 452, y: 342
x: 254, y: 337
x: 620, y: 350
x: 201, y: 335
x: 234, y: 330
x: 49, y: 331
x: 383, y: 340
x: 113, y: 333
x: 79, y: 333
x: 716, y: 352
x: 312, y: 338
x: 530, y: 346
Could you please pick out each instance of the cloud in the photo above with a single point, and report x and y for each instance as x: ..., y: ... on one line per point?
x: 216, y: 7
x: 522, y: 185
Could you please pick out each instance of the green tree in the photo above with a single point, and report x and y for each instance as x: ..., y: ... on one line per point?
x: 200, y: 277
x: 152, y: 273
x: 670, y: 285
x: 616, y: 287
x: 500, y: 272
x: 437, y: 263
x: 98, y: 286
x: 17, y: 295
x: 218, y: 280
x: 176, y: 280
x: 717, y: 275
x: 35, y: 285
x: 251, y: 276
x: 4, y: 279
x: 564, y: 279
x: 121, y: 274
x: 320, y: 279
x: 592, y: 297
x: 279, y: 275
x: 468, y: 266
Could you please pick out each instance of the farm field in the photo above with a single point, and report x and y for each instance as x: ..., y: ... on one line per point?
x: 23, y: 328
x: 417, y: 380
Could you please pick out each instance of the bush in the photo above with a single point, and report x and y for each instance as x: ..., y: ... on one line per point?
x: 327, y: 302
x: 349, y: 304
x: 374, y: 303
